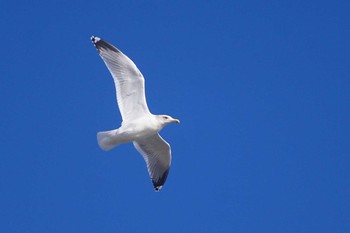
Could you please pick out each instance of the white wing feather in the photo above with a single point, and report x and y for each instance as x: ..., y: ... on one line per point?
x: 128, y: 80
x: 157, y: 154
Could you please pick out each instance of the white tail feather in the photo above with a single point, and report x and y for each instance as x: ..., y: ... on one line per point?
x: 108, y: 139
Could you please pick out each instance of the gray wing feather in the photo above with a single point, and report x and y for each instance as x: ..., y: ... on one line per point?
x: 128, y: 80
x: 157, y: 154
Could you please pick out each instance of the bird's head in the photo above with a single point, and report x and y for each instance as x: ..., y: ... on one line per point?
x: 165, y: 119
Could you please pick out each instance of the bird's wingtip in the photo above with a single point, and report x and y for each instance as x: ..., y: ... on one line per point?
x: 95, y: 39
x: 158, y: 188
x: 159, y: 182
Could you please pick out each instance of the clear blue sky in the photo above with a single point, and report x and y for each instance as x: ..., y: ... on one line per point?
x: 262, y: 89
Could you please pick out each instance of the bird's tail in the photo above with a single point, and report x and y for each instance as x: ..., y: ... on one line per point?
x: 108, y: 139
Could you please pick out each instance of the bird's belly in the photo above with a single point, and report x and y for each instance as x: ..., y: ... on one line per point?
x: 136, y: 131
x: 141, y: 132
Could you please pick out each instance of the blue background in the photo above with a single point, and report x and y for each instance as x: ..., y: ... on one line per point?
x: 261, y: 89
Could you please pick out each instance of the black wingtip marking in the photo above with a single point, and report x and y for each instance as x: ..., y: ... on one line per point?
x: 158, y: 184
x: 94, y: 39
x: 101, y: 44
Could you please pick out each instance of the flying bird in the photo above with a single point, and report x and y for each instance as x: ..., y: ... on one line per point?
x: 139, y: 125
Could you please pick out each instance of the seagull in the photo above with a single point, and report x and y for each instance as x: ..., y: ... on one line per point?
x: 139, y: 125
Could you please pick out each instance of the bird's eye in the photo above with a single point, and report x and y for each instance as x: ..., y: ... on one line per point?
x: 165, y: 117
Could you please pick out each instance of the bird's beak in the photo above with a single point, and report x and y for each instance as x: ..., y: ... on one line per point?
x: 176, y: 120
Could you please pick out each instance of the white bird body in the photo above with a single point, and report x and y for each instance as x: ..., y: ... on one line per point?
x: 139, y: 125
x: 129, y: 131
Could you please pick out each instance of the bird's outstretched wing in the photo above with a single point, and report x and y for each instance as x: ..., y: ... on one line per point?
x: 128, y: 80
x: 157, y: 154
